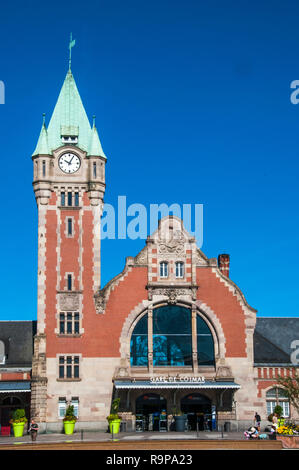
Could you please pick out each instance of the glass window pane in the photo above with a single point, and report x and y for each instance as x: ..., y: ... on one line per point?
x: 69, y: 199
x: 76, y: 372
x: 172, y: 341
x: 61, y: 372
x: 271, y: 393
x: 69, y: 328
x: 63, y: 199
x: 285, y: 408
x: 139, y: 343
x: 281, y: 393
x: 76, y: 199
x: 205, y: 343
x: 172, y: 319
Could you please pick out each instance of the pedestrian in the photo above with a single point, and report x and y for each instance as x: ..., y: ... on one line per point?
x: 257, y: 421
x: 33, y: 430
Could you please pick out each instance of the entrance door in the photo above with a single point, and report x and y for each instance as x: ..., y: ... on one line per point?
x: 151, y: 409
x: 198, y: 409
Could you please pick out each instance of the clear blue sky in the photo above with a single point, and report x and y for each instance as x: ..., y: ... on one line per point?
x: 192, y: 100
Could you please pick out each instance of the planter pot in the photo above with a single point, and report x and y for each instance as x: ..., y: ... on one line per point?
x: 18, y: 429
x: 288, y: 442
x: 69, y: 427
x: 180, y: 423
x: 114, y: 426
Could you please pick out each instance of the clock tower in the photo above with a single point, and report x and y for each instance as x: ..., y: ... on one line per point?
x: 69, y: 185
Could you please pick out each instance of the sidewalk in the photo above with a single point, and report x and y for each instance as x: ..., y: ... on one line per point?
x: 92, y: 436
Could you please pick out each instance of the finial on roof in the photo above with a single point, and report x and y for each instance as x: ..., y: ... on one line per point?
x: 71, y: 44
x: 94, y: 121
x: 44, y: 118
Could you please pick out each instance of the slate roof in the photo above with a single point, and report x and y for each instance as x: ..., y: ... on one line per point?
x: 273, y: 338
x: 18, y: 340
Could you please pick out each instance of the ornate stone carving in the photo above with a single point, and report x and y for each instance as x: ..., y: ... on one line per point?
x: 173, y: 244
x: 69, y: 301
x: 122, y: 372
x: 224, y: 372
x: 171, y: 292
x: 141, y: 258
x: 100, y: 303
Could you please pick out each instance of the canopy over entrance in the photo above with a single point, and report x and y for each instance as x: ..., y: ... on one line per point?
x: 175, y: 383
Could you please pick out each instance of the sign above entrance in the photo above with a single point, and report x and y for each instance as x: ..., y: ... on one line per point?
x: 185, y: 378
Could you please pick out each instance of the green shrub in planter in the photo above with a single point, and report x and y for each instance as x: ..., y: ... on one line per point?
x: 18, y: 422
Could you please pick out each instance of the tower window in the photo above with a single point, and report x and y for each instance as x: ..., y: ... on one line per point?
x: 94, y: 170
x: 76, y: 199
x: 69, y: 139
x: 62, y: 195
x: 44, y: 168
x: 69, y: 198
x: 69, y: 282
x: 70, y: 227
x: 69, y: 323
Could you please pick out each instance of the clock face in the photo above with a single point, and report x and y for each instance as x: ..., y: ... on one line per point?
x: 69, y: 162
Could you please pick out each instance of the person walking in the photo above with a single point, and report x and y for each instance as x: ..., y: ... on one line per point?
x: 257, y: 421
x: 33, y: 430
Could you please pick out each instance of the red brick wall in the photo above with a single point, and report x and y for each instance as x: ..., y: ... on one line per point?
x: 227, y: 308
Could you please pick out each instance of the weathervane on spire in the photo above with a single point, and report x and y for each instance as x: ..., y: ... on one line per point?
x: 71, y: 44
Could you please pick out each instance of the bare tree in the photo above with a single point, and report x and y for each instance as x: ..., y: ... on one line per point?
x: 291, y: 387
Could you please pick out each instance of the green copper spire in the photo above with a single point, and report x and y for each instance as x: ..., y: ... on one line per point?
x: 95, y: 147
x: 42, y: 147
x: 69, y: 123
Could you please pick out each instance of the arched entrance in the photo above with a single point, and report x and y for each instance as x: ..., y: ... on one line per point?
x: 150, y: 412
x: 7, y: 407
x: 198, y: 409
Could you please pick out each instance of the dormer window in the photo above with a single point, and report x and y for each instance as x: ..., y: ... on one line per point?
x: 164, y: 269
x: 179, y: 269
x: 69, y: 139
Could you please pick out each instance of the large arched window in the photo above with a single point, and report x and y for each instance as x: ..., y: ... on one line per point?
x: 168, y: 337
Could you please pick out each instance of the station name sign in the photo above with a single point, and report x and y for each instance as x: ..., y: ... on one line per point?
x: 185, y: 378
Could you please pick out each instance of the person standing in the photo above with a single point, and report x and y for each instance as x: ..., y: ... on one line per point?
x: 33, y: 430
x: 257, y: 421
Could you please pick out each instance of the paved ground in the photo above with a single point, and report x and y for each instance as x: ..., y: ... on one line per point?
x: 138, y: 441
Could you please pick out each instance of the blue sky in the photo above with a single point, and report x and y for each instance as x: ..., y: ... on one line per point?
x: 193, y: 106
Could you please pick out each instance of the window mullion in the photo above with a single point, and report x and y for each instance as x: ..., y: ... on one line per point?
x: 194, y: 340
x: 150, y: 339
